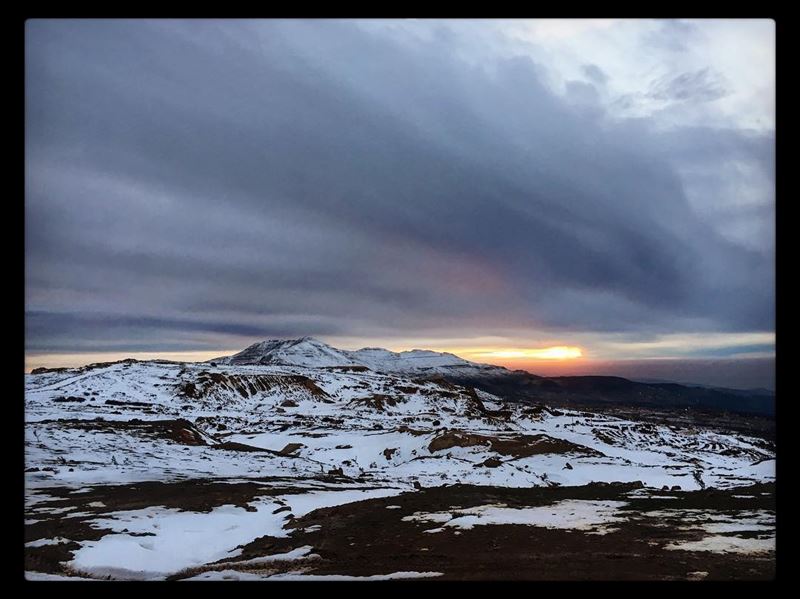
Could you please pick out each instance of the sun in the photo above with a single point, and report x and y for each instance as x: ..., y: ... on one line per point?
x: 558, y: 352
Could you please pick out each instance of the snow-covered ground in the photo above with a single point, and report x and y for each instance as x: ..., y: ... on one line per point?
x: 367, y: 424
x: 378, y: 429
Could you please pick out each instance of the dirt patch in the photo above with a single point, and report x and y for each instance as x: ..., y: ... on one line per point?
x: 233, y: 446
x: 449, y: 439
x: 180, y: 430
x: 132, y: 404
x: 192, y: 495
x: 412, y: 431
x: 50, y: 558
x: 43, y: 370
x: 405, y: 389
x: 518, y: 446
x: 353, y: 368
x: 344, y: 537
x: 291, y: 449
x: 375, y: 401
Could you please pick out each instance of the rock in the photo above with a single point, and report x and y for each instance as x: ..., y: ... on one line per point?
x: 567, y: 466
x: 492, y: 463
x: 675, y: 488
x: 344, y: 447
x: 291, y: 449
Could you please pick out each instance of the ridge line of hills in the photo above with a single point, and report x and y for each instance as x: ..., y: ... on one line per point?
x: 511, y: 385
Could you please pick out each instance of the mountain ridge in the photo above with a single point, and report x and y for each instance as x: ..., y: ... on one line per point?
x: 515, y: 385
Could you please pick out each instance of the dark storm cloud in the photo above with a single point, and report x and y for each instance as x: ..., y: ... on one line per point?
x: 283, y: 178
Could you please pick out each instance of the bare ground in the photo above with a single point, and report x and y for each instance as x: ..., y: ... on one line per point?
x: 365, y: 538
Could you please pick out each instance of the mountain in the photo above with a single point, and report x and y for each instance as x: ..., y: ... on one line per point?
x: 305, y: 351
x: 420, y: 362
x: 517, y: 385
x: 308, y: 351
x: 751, y: 391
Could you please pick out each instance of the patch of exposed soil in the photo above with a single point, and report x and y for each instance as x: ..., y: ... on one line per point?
x: 179, y: 430
x: 365, y: 538
x: 519, y: 446
x: 346, y: 539
x: 376, y: 401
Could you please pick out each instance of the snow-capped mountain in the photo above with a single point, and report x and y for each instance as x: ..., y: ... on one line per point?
x: 305, y: 351
x: 419, y: 361
x: 310, y: 352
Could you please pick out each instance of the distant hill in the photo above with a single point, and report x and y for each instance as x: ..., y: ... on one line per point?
x: 514, y: 385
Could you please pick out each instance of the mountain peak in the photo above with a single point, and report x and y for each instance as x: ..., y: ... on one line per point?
x: 302, y: 351
x: 311, y: 352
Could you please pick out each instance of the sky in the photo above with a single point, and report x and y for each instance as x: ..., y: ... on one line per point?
x: 487, y: 187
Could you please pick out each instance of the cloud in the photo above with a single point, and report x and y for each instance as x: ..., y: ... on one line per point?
x: 702, y: 85
x: 191, y: 181
x: 674, y: 35
x: 595, y: 73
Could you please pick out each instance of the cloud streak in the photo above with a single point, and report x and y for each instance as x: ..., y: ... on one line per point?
x: 212, y: 182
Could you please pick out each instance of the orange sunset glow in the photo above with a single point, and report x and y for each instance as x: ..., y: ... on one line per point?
x: 559, y: 352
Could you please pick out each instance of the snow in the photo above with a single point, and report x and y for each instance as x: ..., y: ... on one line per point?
x: 726, y: 544
x: 42, y: 576
x: 311, y: 352
x: 295, y: 554
x: 178, y: 540
x: 722, y: 529
x: 570, y: 514
x: 43, y: 542
x: 78, y: 445
x: 300, y: 576
x: 350, y: 440
x: 338, y: 577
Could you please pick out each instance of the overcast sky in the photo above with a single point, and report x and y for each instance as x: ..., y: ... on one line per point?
x: 199, y: 185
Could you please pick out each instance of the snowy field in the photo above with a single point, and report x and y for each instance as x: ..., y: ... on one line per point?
x: 313, y: 437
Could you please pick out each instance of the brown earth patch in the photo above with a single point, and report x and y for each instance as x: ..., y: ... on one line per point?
x: 411, y: 431
x: 375, y: 401
x: 518, y: 446
x: 347, y: 540
x: 179, y: 430
x: 291, y: 449
x: 347, y: 543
